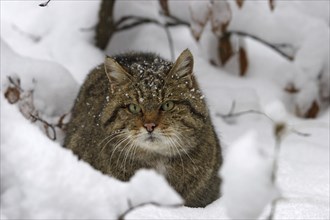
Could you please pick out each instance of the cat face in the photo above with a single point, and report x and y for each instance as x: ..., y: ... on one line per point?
x: 154, y: 106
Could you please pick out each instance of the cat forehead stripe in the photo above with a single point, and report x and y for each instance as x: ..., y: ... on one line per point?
x: 149, y: 71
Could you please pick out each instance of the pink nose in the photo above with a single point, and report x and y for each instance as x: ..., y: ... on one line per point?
x: 150, y: 127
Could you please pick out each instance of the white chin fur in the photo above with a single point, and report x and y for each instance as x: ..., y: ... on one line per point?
x: 154, y: 142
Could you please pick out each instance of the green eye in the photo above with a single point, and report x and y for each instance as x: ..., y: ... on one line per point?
x: 134, y: 108
x: 167, y: 106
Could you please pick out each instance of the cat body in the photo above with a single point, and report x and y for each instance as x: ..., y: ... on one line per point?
x: 138, y: 110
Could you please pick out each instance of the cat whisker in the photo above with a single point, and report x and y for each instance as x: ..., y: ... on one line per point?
x: 135, y: 146
x: 128, y: 152
x: 111, y: 135
x: 123, y: 148
x: 172, y: 144
x: 109, y: 139
x: 117, y: 146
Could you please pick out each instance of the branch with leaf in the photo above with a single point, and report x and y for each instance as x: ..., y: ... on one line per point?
x: 280, y: 130
x: 15, y: 94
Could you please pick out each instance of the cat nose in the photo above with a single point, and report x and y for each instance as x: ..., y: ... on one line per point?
x: 150, y: 127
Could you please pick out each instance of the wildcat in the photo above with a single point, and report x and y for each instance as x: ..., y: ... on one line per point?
x: 138, y: 110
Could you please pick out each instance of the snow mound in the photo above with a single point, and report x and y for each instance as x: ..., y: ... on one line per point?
x: 53, y: 85
x: 44, y: 181
x: 247, y: 187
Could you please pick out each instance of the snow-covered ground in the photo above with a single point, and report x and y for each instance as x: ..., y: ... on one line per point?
x: 51, y: 50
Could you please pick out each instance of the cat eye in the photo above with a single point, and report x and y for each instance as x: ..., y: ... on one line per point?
x: 168, y: 106
x: 134, y: 108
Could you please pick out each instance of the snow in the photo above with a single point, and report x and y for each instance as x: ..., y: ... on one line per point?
x: 247, y: 186
x: 41, y: 76
x: 45, y: 181
x: 51, y: 50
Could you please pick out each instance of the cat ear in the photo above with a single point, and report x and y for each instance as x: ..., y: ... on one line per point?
x: 183, y: 67
x: 116, y: 74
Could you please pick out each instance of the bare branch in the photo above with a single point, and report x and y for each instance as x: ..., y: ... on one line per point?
x: 32, y: 37
x: 105, y: 26
x: 46, y: 127
x: 279, y: 48
x: 279, y: 127
x: 140, y: 20
x: 44, y: 4
x: 174, y: 21
x: 231, y: 113
x: 272, y: 209
x: 24, y: 99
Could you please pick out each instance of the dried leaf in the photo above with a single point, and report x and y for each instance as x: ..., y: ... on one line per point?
x: 164, y: 6
x: 199, y: 15
x: 239, y: 3
x: 313, y: 110
x: 220, y: 17
x: 279, y: 129
x: 243, y: 61
x: 213, y: 63
x: 291, y: 88
x: 26, y: 105
x: 63, y: 121
x: 272, y: 5
x: 24, y: 99
x: 12, y: 94
x: 225, y: 49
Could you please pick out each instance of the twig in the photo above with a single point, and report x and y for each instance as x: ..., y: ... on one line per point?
x: 25, y: 102
x: 231, y: 113
x: 140, y: 20
x: 44, y: 4
x: 177, y: 21
x: 275, y: 47
x: 46, y: 126
x: 34, y: 38
x: 272, y: 209
x: 16, y: 84
x: 132, y: 208
x: 279, y: 131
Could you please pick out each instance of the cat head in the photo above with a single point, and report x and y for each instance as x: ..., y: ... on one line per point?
x: 154, y: 105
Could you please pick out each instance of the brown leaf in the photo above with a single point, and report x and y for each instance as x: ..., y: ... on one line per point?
x: 12, y: 94
x: 272, y: 5
x: 240, y: 3
x: 291, y: 88
x: 220, y: 17
x: 164, y: 6
x: 225, y: 49
x: 313, y: 110
x: 200, y: 13
x: 63, y: 121
x: 243, y: 61
x: 26, y: 105
x: 279, y: 129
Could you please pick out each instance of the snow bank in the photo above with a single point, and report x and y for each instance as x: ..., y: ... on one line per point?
x: 53, y: 85
x: 41, y: 180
